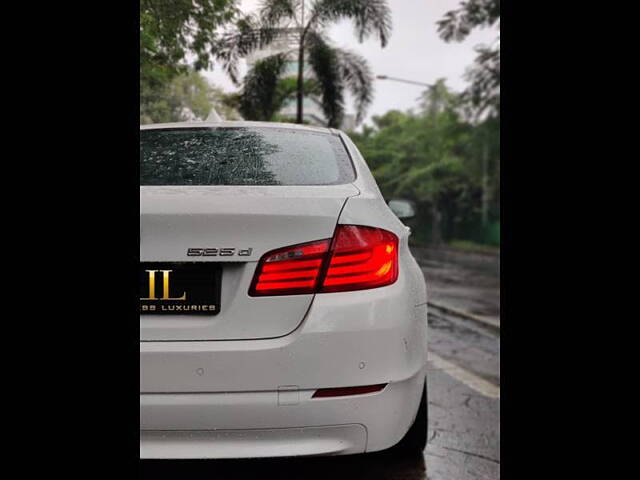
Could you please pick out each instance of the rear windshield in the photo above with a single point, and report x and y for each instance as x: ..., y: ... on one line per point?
x: 242, y: 156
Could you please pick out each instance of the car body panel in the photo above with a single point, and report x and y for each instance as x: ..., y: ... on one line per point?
x: 253, y: 443
x: 261, y: 218
x: 241, y: 384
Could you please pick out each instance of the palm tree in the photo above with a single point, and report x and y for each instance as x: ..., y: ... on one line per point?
x: 303, y: 24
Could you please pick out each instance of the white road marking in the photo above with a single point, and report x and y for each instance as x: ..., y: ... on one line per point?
x: 480, y: 385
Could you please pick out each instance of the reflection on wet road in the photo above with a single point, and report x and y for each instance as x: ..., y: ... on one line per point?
x: 464, y: 422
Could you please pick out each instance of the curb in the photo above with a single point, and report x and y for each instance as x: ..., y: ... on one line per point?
x: 492, y: 324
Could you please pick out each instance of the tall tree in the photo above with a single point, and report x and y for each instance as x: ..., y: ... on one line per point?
x: 483, y: 94
x: 172, y: 32
x: 302, y: 25
x: 434, y: 157
x: 171, y: 29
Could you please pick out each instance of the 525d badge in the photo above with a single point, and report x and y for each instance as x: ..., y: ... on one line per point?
x: 179, y: 288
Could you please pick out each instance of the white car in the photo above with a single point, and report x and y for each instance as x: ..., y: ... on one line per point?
x: 281, y: 311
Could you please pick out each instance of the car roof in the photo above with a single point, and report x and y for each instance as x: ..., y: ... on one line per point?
x: 290, y: 126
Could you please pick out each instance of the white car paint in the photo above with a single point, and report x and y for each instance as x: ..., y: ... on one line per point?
x: 240, y: 384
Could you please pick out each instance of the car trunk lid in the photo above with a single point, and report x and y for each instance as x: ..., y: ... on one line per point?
x: 232, y: 227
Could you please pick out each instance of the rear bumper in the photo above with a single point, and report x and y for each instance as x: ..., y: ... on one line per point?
x: 331, y: 440
x: 253, y: 398
x: 271, y: 424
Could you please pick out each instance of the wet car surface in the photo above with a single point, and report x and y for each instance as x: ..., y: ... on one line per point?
x: 464, y: 401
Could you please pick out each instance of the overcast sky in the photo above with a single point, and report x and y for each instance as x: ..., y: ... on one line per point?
x: 414, y: 52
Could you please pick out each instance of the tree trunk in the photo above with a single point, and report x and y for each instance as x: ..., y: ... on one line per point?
x: 436, y: 233
x: 485, y: 181
x: 300, y: 112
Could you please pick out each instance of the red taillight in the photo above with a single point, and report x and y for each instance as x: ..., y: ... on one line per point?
x: 290, y: 270
x: 357, y: 258
x: 361, y: 257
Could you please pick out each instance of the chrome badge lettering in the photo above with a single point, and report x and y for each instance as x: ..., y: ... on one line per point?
x: 219, y: 252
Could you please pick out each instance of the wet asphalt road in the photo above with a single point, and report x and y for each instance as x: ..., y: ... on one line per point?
x: 464, y: 422
x: 467, y: 281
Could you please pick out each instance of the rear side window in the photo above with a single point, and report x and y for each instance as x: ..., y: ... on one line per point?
x: 242, y: 156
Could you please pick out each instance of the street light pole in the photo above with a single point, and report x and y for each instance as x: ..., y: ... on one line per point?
x: 395, y: 79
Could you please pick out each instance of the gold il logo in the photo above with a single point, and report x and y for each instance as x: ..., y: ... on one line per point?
x: 165, y: 286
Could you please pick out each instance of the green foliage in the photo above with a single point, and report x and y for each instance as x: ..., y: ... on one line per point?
x: 483, y: 94
x: 264, y: 92
x: 260, y: 99
x: 187, y: 96
x: 434, y: 157
x: 492, y: 234
x: 325, y: 63
x: 170, y: 31
x: 458, y: 24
